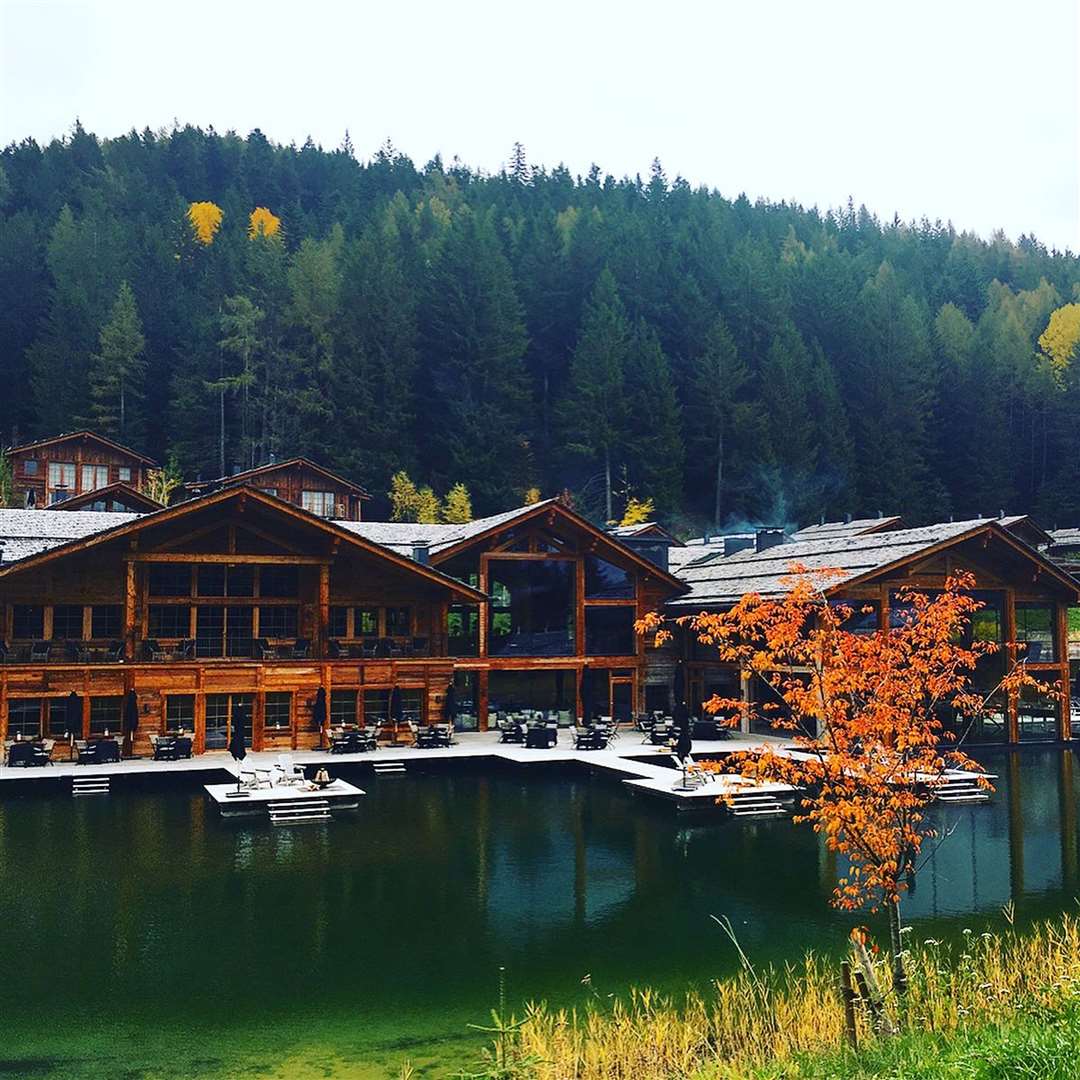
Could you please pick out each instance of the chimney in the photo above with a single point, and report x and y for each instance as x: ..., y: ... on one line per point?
x: 768, y: 538
x: 847, y: 517
x: 733, y: 544
x: 420, y: 554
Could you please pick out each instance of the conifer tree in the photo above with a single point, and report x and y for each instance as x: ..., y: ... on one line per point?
x: 118, y: 372
x: 594, y: 414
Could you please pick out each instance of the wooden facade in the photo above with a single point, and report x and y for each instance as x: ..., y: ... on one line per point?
x: 49, y: 471
x: 300, y: 482
x: 1027, y: 610
x: 118, y: 498
x: 200, y: 608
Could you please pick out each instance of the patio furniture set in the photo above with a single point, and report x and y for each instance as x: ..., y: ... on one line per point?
x: 28, y: 753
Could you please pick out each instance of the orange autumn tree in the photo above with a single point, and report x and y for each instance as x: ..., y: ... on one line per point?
x: 864, y: 713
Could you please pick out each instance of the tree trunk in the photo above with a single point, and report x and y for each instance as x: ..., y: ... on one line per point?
x: 607, y: 483
x: 896, y: 949
x: 719, y: 474
x: 221, y: 430
x: 121, y: 408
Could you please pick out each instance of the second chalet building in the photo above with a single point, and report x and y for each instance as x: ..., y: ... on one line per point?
x: 264, y: 587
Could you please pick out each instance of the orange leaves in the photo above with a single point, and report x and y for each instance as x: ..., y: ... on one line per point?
x: 866, y: 713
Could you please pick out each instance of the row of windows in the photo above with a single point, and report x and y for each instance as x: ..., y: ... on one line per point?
x: 345, y: 706
x: 32, y: 717
x: 357, y: 622
x: 167, y: 621
x: 62, y: 474
x: 183, y: 579
x: 28, y: 622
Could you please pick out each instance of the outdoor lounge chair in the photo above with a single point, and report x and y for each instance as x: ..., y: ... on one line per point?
x: 43, y: 752
x: 369, y: 650
x: 20, y: 753
x: 418, y: 646
x: 367, y: 739
x: 288, y: 771
x: 39, y: 652
x: 152, y: 650
x: 301, y: 649
x: 693, y: 775
x: 511, y: 731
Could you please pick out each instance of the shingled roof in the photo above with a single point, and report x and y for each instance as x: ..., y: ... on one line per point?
x: 30, y: 532
x: 716, y: 581
x: 835, y: 530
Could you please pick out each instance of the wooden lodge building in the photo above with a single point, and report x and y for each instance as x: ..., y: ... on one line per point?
x: 79, y: 465
x: 239, y: 598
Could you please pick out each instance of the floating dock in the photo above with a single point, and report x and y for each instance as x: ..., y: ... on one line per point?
x: 285, y: 804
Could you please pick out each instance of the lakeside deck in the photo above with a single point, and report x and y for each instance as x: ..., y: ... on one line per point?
x: 623, y: 760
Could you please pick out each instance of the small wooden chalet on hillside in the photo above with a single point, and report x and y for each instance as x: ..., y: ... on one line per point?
x: 298, y: 481
x: 50, y: 471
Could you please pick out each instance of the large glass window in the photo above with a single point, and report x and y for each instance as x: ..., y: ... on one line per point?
x: 24, y: 718
x: 398, y: 622
x: 94, y: 477
x: 532, y: 607
x: 463, y: 630
x: 545, y: 691
x: 105, y: 715
x: 277, y: 622
x: 605, y: 581
x: 180, y: 713
x: 67, y: 622
x: 1037, y: 717
x: 169, y: 621
x: 318, y: 502
x: 212, y: 580
x: 466, y: 709
x: 863, y: 618
x: 220, y: 710
x: 342, y: 707
x: 609, y: 631
x: 28, y: 622
x: 105, y: 621
x: 61, y: 480
x: 279, y: 581
x: 56, y: 717
x: 277, y: 714
x: 339, y: 622
x: 1035, y: 627
x: 170, y: 579
x: 123, y: 474
x: 366, y: 622
x: 377, y: 705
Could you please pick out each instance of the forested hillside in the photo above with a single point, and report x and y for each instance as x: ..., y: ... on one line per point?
x: 729, y: 359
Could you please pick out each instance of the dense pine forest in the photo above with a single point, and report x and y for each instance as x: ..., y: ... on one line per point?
x: 224, y: 300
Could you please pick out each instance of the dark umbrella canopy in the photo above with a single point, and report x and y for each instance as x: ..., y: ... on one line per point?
x: 397, y: 710
x: 586, y: 694
x: 318, y: 710
x: 236, y: 738
x: 682, y: 722
x: 131, y: 713
x: 449, y: 705
x: 73, y: 714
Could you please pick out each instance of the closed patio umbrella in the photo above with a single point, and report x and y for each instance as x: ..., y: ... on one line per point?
x: 397, y: 709
x: 130, y: 720
x: 73, y: 715
x: 683, y: 744
x: 318, y: 712
x: 449, y: 705
x: 679, y: 687
x: 236, y: 739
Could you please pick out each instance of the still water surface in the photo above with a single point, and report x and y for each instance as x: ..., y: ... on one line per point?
x: 145, y: 937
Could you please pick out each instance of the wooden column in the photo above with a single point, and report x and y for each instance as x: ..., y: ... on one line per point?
x: 324, y: 607
x: 130, y: 610
x: 4, y: 705
x: 744, y: 693
x: 1062, y: 612
x: 482, y: 700
x: 484, y: 612
x: 1012, y: 722
x: 579, y: 607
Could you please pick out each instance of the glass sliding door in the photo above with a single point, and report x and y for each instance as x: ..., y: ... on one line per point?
x: 220, y: 709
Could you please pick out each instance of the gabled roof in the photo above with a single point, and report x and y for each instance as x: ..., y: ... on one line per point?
x: 125, y: 492
x: 645, y: 528
x: 251, y: 476
x: 445, y: 541
x: 57, y: 535
x: 858, y: 527
x: 718, y: 582
x: 85, y: 433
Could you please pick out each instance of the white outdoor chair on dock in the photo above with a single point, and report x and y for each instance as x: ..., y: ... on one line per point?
x: 288, y: 772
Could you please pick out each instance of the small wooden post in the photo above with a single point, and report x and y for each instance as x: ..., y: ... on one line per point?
x: 847, y: 992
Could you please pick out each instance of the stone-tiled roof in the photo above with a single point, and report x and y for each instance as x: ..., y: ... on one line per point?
x: 29, y: 532
x: 838, y: 529
x: 403, y: 536
x: 716, y: 581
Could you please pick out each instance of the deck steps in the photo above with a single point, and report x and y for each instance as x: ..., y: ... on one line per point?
x: 298, y: 811
x: 754, y: 803
x: 89, y: 785
x: 389, y: 768
x: 961, y: 790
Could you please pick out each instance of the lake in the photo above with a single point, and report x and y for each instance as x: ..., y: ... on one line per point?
x: 146, y: 937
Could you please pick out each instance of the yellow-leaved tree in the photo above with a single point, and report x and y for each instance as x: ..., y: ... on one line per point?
x: 532, y: 497
x: 637, y: 511
x: 411, y: 503
x: 261, y: 222
x: 205, y: 218
x: 457, y: 508
x: 1061, y: 338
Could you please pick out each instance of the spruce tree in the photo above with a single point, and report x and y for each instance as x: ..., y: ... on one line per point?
x: 118, y: 372
x: 594, y: 414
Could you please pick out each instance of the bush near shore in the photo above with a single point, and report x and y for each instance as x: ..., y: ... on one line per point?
x: 994, y: 1005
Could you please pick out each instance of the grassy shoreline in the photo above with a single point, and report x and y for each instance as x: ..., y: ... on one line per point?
x: 1004, y: 998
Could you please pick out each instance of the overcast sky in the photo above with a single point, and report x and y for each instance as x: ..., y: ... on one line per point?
x: 955, y: 109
